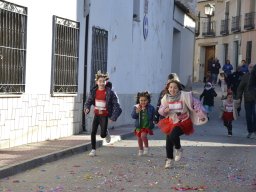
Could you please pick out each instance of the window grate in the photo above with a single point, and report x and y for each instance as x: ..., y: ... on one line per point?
x: 65, y: 56
x: 13, y: 32
x: 99, y: 52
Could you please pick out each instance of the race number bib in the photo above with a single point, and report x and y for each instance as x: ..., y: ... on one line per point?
x: 229, y: 108
x: 175, y: 106
x: 100, y: 104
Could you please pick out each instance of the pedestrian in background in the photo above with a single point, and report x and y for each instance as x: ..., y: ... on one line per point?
x: 208, y: 95
x: 214, y: 69
x: 143, y: 113
x: 228, y: 112
x: 223, y: 81
x: 175, y: 107
x: 244, y: 67
x: 106, y: 106
x: 233, y: 82
x: 249, y: 102
x: 227, y: 68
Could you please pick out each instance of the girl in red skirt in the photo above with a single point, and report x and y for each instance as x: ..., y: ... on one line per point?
x: 143, y: 113
x: 229, y: 113
x: 176, y: 106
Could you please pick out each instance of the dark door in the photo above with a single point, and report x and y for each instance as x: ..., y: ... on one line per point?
x: 209, y: 54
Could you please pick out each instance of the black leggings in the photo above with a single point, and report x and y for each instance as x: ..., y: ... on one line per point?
x: 173, y: 140
x: 103, y: 122
x: 228, y: 124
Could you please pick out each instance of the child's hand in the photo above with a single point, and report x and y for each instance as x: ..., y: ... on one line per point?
x: 138, y: 108
x: 86, y: 111
x: 166, y: 110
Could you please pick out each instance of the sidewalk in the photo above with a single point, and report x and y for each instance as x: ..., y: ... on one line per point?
x: 21, y: 158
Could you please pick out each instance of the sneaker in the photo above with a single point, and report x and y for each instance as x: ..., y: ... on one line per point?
x: 178, y: 153
x: 145, y: 152
x: 168, y: 164
x: 140, y: 153
x: 229, y: 134
x: 92, y: 153
x: 249, y: 135
x: 108, y: 137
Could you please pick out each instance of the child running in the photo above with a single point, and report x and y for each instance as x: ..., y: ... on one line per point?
x: 208, y: 97
x: 229, y: 113
x: 143, y: 113
x: 105, y: 106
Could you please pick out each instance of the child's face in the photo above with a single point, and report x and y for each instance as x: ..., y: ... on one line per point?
x: 143, y: 101
x: 173, y: 89
x: 229, y: 98
x: 101, y: 83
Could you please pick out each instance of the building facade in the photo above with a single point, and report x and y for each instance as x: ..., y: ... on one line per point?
x: 226, y: 34
x: 50, y: 51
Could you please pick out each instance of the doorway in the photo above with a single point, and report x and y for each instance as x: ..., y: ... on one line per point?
x: 209, y: 54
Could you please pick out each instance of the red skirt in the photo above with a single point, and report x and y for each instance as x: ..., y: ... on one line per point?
x: 227, y: 116
x: 138, y: 132
x: 166, y: 125
x: 186, y: 126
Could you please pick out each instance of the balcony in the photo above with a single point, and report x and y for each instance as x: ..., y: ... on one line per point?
x: 209, y: 29
x: 236, y: 24
x: 249, y: 21
x: 224, y: 27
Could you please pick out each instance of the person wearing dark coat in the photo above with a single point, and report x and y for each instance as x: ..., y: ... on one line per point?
x: 245, y: 90
x: 106, y: 106
x: 208, y: 95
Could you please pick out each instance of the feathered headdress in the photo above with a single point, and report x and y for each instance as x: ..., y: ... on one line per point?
x: 100, y: 74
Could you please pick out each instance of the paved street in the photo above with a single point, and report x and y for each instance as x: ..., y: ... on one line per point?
x: 211, y: 162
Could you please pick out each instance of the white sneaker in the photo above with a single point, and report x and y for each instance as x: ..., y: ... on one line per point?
x: 140, y: 153
x: 108, y: 137
x: 145, y: 152
x: 92, y: 153
x: 178, y: 154
x: 168, y: 164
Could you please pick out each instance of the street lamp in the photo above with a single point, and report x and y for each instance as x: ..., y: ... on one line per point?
x: 208, y: 10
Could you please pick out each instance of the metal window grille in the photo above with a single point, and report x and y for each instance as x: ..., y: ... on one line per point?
x: 65, y: 55
x: 99, y: 52
x: 13, y: 32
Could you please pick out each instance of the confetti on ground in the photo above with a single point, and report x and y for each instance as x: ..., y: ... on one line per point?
x: 200, y: 188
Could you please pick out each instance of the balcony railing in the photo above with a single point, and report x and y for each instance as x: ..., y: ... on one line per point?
x: 249, y: 21
x: 224, y: 27
x: 236, y: 24
x: 209, y: 29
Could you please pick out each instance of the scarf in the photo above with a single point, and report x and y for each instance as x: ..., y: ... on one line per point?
x: 171, y: 98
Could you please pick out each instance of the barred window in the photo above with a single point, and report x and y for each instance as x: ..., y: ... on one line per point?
x: 99, y: 52
x: 13, y: 32
x: 65, y: 56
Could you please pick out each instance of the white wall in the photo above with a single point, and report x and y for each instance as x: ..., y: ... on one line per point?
x: 35, y: 115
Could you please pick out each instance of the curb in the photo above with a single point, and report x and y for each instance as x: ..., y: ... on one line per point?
x: 41, y: 160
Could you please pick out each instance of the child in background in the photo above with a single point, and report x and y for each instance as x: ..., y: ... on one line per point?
x: 208, y: 97
x: 143, y: 113
x: 228, y: 112
x: 222, y: 81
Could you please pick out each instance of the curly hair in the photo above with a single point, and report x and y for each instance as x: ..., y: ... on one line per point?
x: 143, y: 94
